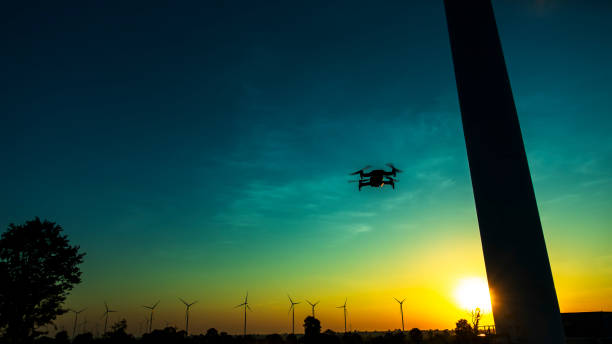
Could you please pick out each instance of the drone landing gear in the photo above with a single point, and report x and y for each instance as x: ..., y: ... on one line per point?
x: 363, y: 184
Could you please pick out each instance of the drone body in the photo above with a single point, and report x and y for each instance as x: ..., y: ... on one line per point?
x: 376, y: 178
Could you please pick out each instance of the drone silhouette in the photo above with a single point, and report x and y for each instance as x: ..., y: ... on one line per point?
x: 376, y: 178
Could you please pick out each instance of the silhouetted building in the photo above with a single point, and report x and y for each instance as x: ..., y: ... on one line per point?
x: 587, y: 324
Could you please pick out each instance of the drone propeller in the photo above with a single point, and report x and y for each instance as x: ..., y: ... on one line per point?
x: 360, y: 171
x: 393, y: 168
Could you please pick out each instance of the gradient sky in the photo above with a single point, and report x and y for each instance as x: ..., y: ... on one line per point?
x: 201, y: 149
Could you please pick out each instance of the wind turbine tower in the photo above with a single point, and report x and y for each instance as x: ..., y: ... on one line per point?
x: 401, y: 303
x: 152, y: 308
x: 76, y: 315
x: 344, y: 306
x: 245, y: 304
x: 187, y: 306
x: 313, y: 307
x: 292, y: 308
x: 84, y: 326
x: 525, y: 304
x: 105, y: 315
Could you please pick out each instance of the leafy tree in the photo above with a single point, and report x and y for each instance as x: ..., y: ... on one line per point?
x: 463, y: 327
x: 62, y: 338
x: 312, y: 327
x: 463, y: 331
x: 118, y: 333
x: 329, y: 337
x: 38, y: 268
x: 416, y: 335
x: 212, y: 332
x: 393, y: 337
x: 83, y: 338
x: 167, y: 335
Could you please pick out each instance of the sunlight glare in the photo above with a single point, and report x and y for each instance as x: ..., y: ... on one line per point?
x: 472, y: 293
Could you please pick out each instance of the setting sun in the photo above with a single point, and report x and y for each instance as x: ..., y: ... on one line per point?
x: 473, y: 293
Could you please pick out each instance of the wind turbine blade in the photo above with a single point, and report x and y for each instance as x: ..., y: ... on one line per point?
x: 296, y: 303
x: 183, y: 301
x: 403, y: 300
x: 249, y: 307
x: 397, y: 300
x: 193, y: 303
x: 240, y: 305
x: 246, y: 298
x: 289, y: 298
x: 316, y: 303
x: 105, y: 306
x: 156, y: 303
x: 290, y: 308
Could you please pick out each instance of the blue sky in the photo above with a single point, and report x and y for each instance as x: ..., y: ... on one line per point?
x: 218, y: 139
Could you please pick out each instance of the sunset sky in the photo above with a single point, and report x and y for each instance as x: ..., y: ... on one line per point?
x: 199, y: 151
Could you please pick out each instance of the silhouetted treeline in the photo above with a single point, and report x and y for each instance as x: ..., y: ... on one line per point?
x: 312, y: 329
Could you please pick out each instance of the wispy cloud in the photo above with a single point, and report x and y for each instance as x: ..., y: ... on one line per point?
x: 562, y: 198
x: 258, y: 200
x: 596, y: 182
x: 360, y: 228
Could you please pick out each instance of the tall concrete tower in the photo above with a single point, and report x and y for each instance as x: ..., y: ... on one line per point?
x: 524, y: 300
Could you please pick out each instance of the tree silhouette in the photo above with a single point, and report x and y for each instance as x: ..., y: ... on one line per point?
x: 312, y: 327
x: 329, y: 337
x: 38, y: 268
x: 463, y: 331
x: 212, y: 333
x: 476, y: 316
x: 62, y: 338
x: 118, y: 333
x: 83, y: 338
x: 416, y: 335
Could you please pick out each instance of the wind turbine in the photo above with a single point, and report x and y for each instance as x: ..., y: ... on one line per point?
x: 313, y: 306
x: 292, y: 308
x: 143, y: 325
x: 84, y: 326
x: 187, y: 306
x: 152, y: 308
x: 401, y: 303
x: 245, y: 304
x: 105, y: 315
x: 344, y: 306
x: 76, y: 315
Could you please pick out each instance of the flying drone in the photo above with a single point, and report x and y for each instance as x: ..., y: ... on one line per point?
x: 376, y: 178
